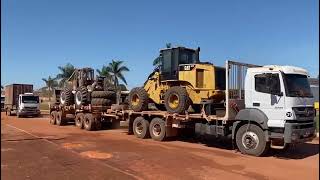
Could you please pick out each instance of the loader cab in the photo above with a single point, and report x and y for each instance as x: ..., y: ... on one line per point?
x: 171, y: 58
x: 83, y: 77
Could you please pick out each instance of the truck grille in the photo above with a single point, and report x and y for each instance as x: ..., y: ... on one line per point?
x: 304, y: 112
x: 30, y: 108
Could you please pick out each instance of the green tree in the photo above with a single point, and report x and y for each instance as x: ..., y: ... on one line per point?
x: 104, y: 72
x: 116, y: 71
x: 157, y: 61
x: 50, y: 84
x: 65, y: 73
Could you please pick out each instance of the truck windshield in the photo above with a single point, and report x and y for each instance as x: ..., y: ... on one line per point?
x: 297, y: 85
x: 30, y: 99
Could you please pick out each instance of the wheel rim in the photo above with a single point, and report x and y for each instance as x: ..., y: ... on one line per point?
x: 250, y: 140
x: 174, y: 101
x: 62, y: 98
x: 156, y: 129
x: 135, y: 100
x: 78, y: 98
x: 139, y: 128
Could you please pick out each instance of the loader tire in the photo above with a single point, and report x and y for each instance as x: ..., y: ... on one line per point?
x: 104, y: 94
x: 66, y: 97
x: 81, y: 96
x: 101, y: 102
x: 89, y: 122
x: 138, y: 99
x: 176, y: 100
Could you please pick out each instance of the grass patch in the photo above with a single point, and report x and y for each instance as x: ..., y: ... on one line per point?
x: 44, y: 106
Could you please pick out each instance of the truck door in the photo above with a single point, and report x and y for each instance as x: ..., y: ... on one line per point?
x: 268, y: 96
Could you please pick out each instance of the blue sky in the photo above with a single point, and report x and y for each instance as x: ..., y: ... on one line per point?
x: 39, y: 35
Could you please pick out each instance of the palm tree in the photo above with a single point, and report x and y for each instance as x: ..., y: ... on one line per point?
x: 105, y: 73
x: 65, y: 73
x: 116, y: 70
x: 50, y: 84
x: 157, y: 60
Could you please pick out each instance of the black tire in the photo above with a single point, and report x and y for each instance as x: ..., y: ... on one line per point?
x: 176, y: 100
x: 79, y: 120
x: 138, y: 99
x: 97, y: 123
x: 53, y: 116
x: 101, y: 102
x: 157, y: 129
x: 88, y: 122
x: 81, y: 96
x: 66, y: 97
x: 250, y: 140
x: 104, y: 94
x: 60, y: 120
x: 141, y: 128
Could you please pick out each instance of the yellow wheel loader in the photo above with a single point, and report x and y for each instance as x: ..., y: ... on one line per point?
x: 179, y: 81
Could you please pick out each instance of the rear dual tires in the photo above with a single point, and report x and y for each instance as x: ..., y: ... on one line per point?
x: 53, y: 116
x: 250, y: 139
x: 91, y: 123
x: 155, y: 129
x: 79, y: 120
x: 60, y: 119
x: 141, y: 128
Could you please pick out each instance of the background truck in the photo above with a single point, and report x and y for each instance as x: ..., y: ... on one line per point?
x: 21, y: 100
x: 2, y: 102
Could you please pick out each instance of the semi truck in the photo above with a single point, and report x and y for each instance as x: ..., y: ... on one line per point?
x: 264, y: 107
x: 21, y: 100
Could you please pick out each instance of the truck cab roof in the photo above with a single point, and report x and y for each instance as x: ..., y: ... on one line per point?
x: 284, y: 69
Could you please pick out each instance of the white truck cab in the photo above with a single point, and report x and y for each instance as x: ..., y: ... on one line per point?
x: 28, y: 104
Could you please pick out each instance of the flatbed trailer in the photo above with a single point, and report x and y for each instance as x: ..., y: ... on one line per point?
x: 250, y: 128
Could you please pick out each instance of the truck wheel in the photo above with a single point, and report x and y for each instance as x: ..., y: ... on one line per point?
x: 176, y: 100
x: 104, y: 94
x: 88, y: 122
x: 79, y: 120
x: 101, y: 102
x: 138, y: 99
x: 66, y: 97
x: 59, y: 119
x: 18, y: 115
x: 250, y: 140
x: 97, y: 123
x: 53, y: 116
x: 81, y: 96
x: 141, y: 128
x: 157, y: 129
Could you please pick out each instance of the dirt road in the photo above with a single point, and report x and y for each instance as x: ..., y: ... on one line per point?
x: 31, y: 148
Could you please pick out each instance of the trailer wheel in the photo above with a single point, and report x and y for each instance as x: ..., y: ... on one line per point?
x: 53, y: 116
x: 157, y: 129
x: 138, y: 99
x: 79, y: 120
x: 97, y: 123
x: 81, y: 96
x: 59, y: 119
x: 176, y: 100
x: 141, y: 128
x: 250, y: 140
x: 88, y: 121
